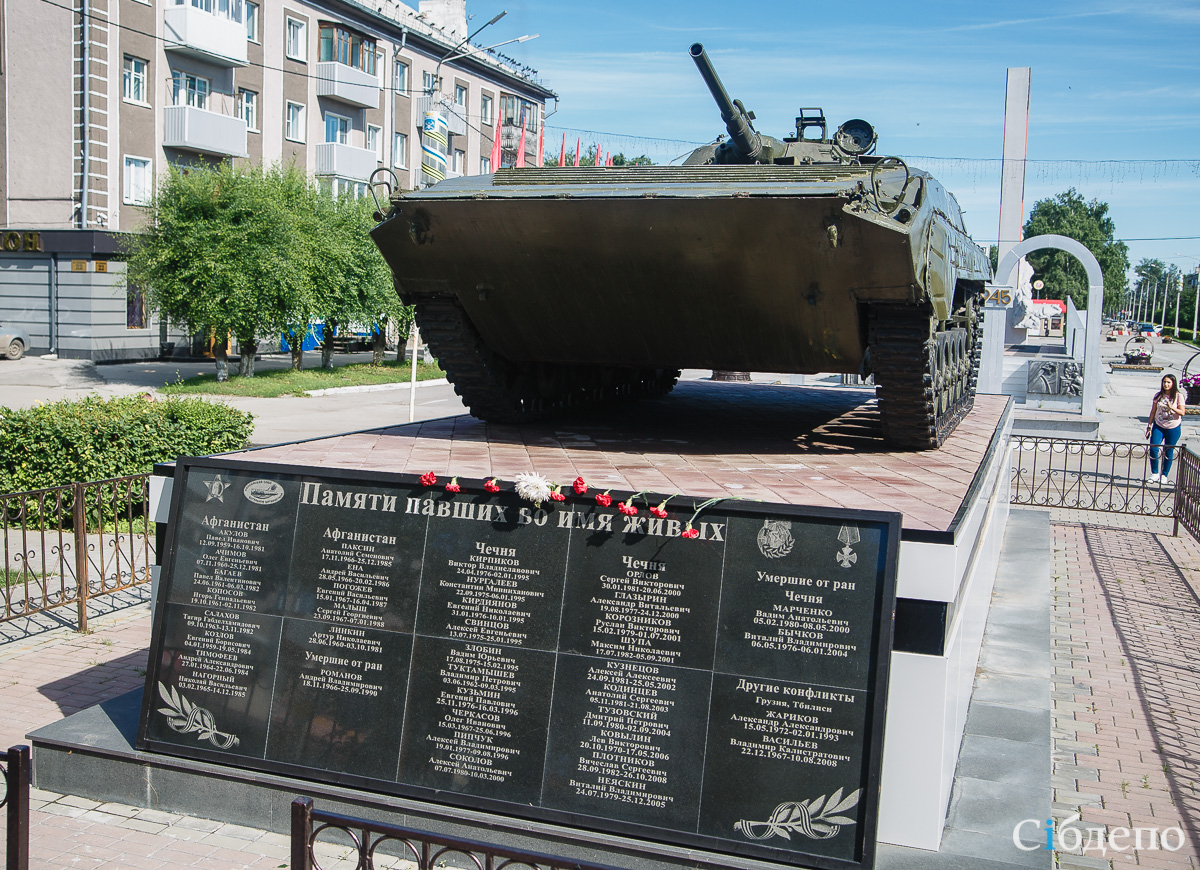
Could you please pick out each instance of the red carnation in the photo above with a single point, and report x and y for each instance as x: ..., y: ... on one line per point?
x: 492, y: 486
x: 627, y: 508
x: 659, y: 512
x: 604, y: 499
x: 428, y: 478
x: 579, y: 486
x: 689, y: 532
x: 453, y: 486
x: 557, y: 496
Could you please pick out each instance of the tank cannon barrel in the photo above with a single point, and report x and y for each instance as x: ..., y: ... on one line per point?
x: 742, y: 134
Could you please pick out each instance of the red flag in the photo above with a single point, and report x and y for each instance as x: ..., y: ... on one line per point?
x: 562, y: 155
x: 541, y: 142
x: 495, y: 159
x: 578, y: 145
x: 599, y: 161
x: 521, y: 147
x: 608, y: 160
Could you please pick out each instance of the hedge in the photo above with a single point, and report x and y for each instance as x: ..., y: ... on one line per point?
x: 66, y: 442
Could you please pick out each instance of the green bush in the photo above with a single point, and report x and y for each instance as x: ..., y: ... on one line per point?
x: 94, y: 439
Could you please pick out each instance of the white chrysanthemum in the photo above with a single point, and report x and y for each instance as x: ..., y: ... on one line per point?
x: 533, y: 486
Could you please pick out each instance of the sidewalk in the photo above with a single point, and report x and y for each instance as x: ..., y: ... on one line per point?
x: 1126, y: 697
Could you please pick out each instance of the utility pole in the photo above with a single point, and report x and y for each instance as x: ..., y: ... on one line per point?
x: 1178, y: 295
x: 1196, y: 311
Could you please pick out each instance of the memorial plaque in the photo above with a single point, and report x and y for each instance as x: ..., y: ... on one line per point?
x: 562, y: 663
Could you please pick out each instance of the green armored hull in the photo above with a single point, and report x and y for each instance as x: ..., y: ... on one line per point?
x: 544, y: 289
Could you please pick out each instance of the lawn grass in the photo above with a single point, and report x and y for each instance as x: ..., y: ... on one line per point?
x: 15, y: 577
x: 270, y: 384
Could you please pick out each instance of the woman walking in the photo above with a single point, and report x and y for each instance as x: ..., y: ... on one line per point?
x: 1166, y: 414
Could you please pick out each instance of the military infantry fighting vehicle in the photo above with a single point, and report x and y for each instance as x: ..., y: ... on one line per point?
x: 545, y: 289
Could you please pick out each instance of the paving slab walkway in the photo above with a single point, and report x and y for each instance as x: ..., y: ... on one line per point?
x: 1125, y: 637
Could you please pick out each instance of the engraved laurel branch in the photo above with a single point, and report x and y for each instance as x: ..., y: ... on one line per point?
x: 185, y: 717
x: 817, y: 819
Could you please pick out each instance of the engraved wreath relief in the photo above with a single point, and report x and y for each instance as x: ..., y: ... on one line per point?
x: 817, y: 819
x: 185, y: 717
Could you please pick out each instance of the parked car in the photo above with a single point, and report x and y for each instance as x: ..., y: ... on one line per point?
x: 14, y: 341
x: 1148, y: 327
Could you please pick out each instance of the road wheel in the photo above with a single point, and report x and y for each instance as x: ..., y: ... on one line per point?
x: 15, y: 349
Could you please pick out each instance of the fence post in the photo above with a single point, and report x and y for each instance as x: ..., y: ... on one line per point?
x: 302, y: 808
x: 17, y: 776
x: 79, y: 521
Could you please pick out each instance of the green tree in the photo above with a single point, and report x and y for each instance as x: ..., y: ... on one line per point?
x: 588, y: 158
x: 1068, y: 214
x: 356, y: 284
x: 225, y: 255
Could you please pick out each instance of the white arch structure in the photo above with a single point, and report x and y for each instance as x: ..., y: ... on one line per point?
x: 991, y: 378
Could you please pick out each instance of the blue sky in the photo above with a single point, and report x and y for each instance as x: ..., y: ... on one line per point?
x: 1115, y: 106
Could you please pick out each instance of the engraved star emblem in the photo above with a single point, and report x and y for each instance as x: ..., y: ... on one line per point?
x: 216, y: 489
x: 846, y: 557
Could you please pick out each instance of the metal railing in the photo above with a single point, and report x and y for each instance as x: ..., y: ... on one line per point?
x: 17, y: 775
x: 1187, y: 493
x: 1108, y: 476
x: 379, y: 845
x: 67, y: 544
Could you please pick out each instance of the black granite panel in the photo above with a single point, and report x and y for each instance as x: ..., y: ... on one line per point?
x: 785, y: 766
x: 799, y: 602
x: 233, y: 540
x: 493, y: 572
x: 627, y: 741
x: 477, y: 719
x: 339, y: 698
x: 213, y: 682
x: 564, y: 663
x: 643, y: 597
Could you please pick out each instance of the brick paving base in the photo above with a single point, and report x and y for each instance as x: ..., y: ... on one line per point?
x: 1126, y: 691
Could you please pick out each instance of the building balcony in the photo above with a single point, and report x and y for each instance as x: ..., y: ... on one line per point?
x: 193, y: 31
x: 195, y: 129
x: 345, y: 161
x: 348, y: 84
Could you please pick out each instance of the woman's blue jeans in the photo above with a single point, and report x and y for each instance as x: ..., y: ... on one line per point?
x: 1168, y: 437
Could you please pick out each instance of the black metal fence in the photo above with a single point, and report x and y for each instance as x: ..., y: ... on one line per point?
x: 382, y: 846
x: 17, y: 770
x: 67, y: 544
x: 1110, y: 476
x: 1187, y: 494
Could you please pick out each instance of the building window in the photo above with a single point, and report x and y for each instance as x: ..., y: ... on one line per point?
x: 247, y: 108
x: 460, y: 160
x: 401, y: 78
x: 231, y: 9
x: 375, y: 141
x: 516, y: 111
x: 485, y: 109
x: 344, y: 187
x: 485, y: 165
x: 429, y: 82
x: 135, y: 308
x: 400, y: 151
x: 252, y: 22
x: 189, y: 90
x: 337, y: 128
x: 133, y: 80
x: 346, y: 46
x: 295, y: 41
x: 138, y: 180
x: 294, y: 123
x: 460, y: 96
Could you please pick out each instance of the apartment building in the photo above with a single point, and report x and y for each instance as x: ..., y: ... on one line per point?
x: 338, y: 87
